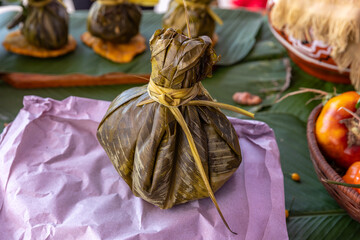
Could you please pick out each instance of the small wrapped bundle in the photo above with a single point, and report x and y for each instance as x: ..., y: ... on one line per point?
x: 201, y: 17
x: 168, y: 140
x: 114, y: 20
x: 113, y: 30
x: 44, y: 32
x: 45, y: 23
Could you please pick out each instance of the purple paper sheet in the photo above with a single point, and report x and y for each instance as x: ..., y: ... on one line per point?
x: 57, y: 183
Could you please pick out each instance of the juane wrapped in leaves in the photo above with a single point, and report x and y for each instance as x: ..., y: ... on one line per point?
x: 146, y: 140
x: 168, y: 140
x: 45, y: 23
x: 201, y: 17
x: 113, y: 20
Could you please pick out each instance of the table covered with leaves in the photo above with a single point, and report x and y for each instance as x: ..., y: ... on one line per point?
x: 253, y: 61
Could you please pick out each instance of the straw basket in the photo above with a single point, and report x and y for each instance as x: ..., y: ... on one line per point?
x: 346, y: 197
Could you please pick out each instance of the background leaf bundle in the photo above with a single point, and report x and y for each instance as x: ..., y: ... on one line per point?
x: 200, y: 21
x: 114, y: 21
x: 45, y: 23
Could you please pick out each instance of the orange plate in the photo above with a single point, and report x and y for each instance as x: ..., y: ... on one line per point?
x: 15, y: 42
x: 120, y: 53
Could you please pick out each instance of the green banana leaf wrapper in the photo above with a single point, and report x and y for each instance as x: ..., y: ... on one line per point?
x: 146, y: 144
x: 200, y: 22
x: 116, y: 23
x: 45, y: 23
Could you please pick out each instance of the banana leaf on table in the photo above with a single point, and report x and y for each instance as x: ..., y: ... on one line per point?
x: 313, y: 213
x: 237, y: 37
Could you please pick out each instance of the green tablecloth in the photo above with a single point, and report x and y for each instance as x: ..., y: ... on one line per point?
x: 252, y: 61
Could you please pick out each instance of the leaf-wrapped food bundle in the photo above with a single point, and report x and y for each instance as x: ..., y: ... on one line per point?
x: 201, y: 17
x: 113, y: 20
x: 45, y: 23
x: 145, y: 131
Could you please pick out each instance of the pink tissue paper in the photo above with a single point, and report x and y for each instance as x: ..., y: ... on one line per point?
x: 57, y: 182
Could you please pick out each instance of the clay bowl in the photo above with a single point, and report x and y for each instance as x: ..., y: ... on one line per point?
x: 346, y: 197
x: 312, y: 57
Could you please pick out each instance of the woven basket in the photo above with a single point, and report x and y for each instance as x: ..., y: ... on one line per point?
x: 346, y: 197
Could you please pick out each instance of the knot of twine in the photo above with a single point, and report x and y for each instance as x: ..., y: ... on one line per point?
x: 111, y: 2
x: 42, y: 3
x: 173, y: 99
x: 204, y: 6
x: 170, y: 97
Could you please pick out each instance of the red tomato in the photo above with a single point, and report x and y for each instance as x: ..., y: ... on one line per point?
x: 331, y: 134
x: 352, y: 175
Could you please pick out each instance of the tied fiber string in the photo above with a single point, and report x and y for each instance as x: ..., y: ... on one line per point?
x: 42, y: 3
x: 202, y: 6
x: 145, y: 2
x: 111, y: 2
x: 172, y: 99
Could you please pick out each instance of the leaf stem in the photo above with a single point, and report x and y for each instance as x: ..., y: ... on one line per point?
x: 350, y: 112
x: 340, y: 183
x: 304, y: 90
x: 187, y: 19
